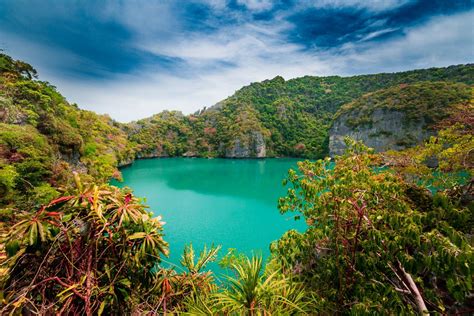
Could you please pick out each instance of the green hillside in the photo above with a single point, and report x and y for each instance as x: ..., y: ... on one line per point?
x: 43, y: 138
x: 428, y: 101
x: 292, y: 116
x: 397, y: 117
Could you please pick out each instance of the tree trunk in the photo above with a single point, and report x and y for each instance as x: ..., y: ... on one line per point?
x: 408, y: 280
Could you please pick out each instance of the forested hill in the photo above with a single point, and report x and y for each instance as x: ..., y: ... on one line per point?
x: 43, y: 139
x: 274, y: 117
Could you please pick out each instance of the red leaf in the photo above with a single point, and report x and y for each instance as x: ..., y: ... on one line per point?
x: 128, y: 198
x: 61, y: 199
x: 53, y: 214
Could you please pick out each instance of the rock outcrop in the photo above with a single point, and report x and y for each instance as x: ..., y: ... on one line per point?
x: 398, y: 117
x: 387, y: 130
x: 156, y: 152
x: 253, y: 146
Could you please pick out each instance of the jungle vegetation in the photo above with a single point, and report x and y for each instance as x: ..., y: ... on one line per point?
x: 386, y: 232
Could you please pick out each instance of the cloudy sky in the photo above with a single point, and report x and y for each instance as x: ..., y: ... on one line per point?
x: 135, y: 58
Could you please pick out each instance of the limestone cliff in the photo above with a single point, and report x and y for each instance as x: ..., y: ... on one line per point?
x: 387, y: 130
x: 252, y: 146
x: 395, y: 118
x: 246, y: 135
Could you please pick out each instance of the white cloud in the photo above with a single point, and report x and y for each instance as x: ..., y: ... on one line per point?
x: 131, y: 97
x: 442, y: 41
x: 373, y: 5
x: 375, y: 34
x: 145, y: 18
x: 230, y: 43
x: 257, y: 5
x: 216, y: 4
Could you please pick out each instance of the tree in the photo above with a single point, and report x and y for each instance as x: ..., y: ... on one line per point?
x: 375, y: 242
x: 446, y: 160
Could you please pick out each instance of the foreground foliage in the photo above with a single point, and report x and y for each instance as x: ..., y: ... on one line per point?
x: 98, y: 252
x: 86, y: 253
x: 375, y: 242
x: 256, y: 293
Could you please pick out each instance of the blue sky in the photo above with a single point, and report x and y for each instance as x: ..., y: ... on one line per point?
x: 132, y: 59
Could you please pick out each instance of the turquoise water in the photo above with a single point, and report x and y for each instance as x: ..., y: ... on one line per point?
x: 232, y: 203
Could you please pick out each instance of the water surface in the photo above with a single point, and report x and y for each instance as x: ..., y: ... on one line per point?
x: 232, y: 203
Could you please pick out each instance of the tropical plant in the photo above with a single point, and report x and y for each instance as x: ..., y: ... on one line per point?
x: 81, y: 254
x: 205, y: 256
x: 251, y: 292
x: 189, y: 291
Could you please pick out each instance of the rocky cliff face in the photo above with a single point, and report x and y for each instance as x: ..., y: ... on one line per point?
x: 156, y: 152
x: 385, y: 130
x: 252, y: 146
x: 396, y: 118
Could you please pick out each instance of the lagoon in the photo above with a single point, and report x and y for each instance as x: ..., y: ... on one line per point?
x: 232, y: 203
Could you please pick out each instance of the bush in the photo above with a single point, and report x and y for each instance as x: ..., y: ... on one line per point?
x: 86, y: 253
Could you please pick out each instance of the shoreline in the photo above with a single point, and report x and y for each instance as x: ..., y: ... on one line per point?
x: 208, y: 158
